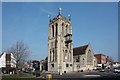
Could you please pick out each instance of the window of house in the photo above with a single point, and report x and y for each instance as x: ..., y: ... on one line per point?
x: 65, y: 51
x: 62, y: 24
x: 52, y: 65
x: 78, y: 66
x: 67, y: 46
x: 83, y: 61
x: 67, y: 65
x: 99, y: 61
x: 70, y: 64
x: 77, y: 60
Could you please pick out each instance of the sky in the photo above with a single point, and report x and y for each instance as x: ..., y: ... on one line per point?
x: 92, y: 22
x: 0, y: 27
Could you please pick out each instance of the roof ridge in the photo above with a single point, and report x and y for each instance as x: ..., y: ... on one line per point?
x: 1, y: 54
x: 80, y: 50
x: 81, y: 46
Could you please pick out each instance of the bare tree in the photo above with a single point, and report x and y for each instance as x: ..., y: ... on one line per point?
x: 20, y: 52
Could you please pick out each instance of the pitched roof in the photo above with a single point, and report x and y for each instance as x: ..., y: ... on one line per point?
x: 79, y: 50
x: 99, y: 55
x: 1, y: 54
x: 46, y: 58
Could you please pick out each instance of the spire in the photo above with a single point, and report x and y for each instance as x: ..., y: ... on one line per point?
x: 49, y: 16
x: 69, y: 16
x: 60, y: 11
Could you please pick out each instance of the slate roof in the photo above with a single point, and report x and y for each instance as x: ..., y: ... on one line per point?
x: 79, y: 50
x: 1, y: 54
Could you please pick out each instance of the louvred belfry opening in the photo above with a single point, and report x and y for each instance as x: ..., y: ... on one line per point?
x: 68, y: 38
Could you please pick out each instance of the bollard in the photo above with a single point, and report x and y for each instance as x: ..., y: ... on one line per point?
x: 49, y: 77
x: 60, y: 73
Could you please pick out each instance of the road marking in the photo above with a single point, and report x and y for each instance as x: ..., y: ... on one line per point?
x: 92, y: 75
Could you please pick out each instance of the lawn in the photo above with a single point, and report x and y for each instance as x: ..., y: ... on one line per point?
x: 23, y: 76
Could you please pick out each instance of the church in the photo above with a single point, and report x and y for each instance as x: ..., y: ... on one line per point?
x: 84, y: 58
x: 62, y: 57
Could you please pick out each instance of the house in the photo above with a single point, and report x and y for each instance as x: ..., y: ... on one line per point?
x: 109, y: 61
x: 84, y: 59
x: 101, y: 60
x: 7, y: 62
x: 26, y: 67
x: 36, y: 65
x: 43, y: 64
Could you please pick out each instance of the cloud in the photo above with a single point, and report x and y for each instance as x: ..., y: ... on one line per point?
x: 47, y: 11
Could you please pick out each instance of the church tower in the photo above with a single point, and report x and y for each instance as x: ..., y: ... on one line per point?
x: 60, y: 50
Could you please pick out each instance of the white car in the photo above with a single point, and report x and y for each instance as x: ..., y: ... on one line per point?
x: 102, y: 70
x: 117, y: 70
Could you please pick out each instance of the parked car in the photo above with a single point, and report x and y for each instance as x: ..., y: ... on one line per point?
x: 98, y: 68
x: 116, y: 70
x: 102, y: 70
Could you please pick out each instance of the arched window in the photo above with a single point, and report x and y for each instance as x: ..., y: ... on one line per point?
x: 56, y: 28
x: 83, y: 61
x: 65, y: 56
x: 62, y: 24
x: 89, y: 57
x: 94, y: 63
x: 65, y: 51
x: 53, y: 56
x: 49, y: 33
x: 50, y: 55
x: 52, y: 30
x: 66, y: 29
x: 63, y: 29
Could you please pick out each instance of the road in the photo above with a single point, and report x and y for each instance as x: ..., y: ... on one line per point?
x: 94, y: 75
